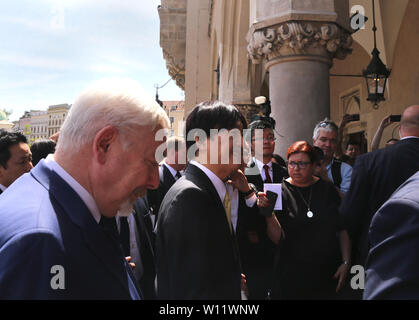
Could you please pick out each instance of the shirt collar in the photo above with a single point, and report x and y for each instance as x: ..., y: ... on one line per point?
x: 217, y: 182
x: 408, y: 137
x: 172, y: 171
x: 82, y: 192
x: 3, y: 188
x: 260, y: 164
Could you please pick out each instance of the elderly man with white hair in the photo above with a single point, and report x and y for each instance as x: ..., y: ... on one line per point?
x: 52, y: 243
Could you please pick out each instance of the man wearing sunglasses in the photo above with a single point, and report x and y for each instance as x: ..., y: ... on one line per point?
x: 325, y: 136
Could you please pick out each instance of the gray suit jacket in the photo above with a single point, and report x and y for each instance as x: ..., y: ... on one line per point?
x: 392, y: 268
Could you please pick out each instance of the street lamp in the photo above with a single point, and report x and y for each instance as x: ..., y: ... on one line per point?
x: 376, y: 74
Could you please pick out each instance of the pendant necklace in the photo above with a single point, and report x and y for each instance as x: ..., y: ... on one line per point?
x: 309, y: 212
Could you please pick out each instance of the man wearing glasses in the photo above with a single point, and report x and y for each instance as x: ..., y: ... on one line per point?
x: 257, y: 250
x: 325, y: 136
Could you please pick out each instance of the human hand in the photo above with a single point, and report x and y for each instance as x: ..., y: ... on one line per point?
x: 239, y: 181
x: 341, y: 275
x: 263, y: 200
x: 131, y: 264
x: 346, y: 118
x: 244, y: 285
x: 385, y: 122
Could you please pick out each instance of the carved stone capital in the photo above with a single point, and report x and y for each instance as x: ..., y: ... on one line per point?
x: 299, y: 40
x: 176, y: 70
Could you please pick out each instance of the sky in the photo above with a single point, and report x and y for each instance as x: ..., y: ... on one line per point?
x: 50, y: 50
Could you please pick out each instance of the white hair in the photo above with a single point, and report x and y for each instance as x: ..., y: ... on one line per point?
x: 326, y: 125
x: 121, y: 103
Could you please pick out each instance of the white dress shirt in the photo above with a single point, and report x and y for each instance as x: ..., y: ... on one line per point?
x: 134, y: 241
x: 82, y: 192
x: 222, y: 188
x: 172, y: 171
x: 260, y: 165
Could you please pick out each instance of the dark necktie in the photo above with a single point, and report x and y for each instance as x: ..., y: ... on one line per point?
x: 124, y: 235
x: 109, y: 225
x: 178, y: 175
x: 267, y: 175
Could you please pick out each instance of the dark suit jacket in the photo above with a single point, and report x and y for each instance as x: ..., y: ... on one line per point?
x: 44, y: 223
x: 155, y: 197
x: 196, y: 253
x: 146, y: 247
x: 375, y: 177
x: 392, y: 269
x: 257, y: 251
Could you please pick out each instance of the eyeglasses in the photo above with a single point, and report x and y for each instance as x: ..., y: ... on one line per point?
x: 299, y: 164
x: 268, y: 139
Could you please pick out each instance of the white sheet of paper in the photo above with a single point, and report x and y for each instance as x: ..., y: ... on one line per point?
x: 277, y: 188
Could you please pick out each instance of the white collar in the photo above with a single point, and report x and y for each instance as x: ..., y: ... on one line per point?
x: 82, y: 192
x: 172, y: 171
x: 408, y: 137
x: 260, y: 164
x: 2, y: 187
x: 217, y: 182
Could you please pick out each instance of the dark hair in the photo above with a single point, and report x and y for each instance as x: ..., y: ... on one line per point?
x: 302, y: 147
x: 213, y: 115
x: 354, y: 143
x: 40, y: 149
x: 279, y: 159
x: 8, y: 139
x: 319, y: 154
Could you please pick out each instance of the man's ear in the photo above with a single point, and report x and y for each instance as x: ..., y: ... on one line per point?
x: 104, y: 140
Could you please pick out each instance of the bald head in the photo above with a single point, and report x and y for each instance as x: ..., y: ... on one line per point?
x: 409, y: 125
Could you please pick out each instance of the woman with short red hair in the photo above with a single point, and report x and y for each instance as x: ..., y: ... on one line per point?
x: 314, y: 250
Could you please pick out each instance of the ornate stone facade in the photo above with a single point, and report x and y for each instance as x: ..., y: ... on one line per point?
x: 173, y: 38
x: 322, y: 41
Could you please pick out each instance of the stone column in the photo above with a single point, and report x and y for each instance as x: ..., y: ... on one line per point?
x: 298, y: 55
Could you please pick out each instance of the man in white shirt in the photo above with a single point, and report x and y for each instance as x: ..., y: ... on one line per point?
x: 54, y: 243
x: 171, y: 169
x: 15, y: 158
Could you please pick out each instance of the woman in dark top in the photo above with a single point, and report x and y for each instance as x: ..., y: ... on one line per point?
x: 314, y: 251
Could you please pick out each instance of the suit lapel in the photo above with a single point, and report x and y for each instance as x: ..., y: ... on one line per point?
x: 168, y: 179
x: 94, y: 236
x: 196, y: 175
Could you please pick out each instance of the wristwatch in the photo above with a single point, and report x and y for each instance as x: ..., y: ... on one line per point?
x: 252, y: 189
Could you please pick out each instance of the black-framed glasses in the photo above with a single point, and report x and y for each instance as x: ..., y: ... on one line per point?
x: 299, y: 164
x: 268, y: 139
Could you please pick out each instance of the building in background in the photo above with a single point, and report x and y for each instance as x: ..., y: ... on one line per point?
x: 56, y: 116
x: 25, y: 125
x: 175, y: 110
x: 288, y: 51
x: 39, y: 125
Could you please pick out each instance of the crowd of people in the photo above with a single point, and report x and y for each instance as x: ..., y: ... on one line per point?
x: 97, y: 216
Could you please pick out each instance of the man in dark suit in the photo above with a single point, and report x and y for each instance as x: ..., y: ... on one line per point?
x: 197, y: 254
x: 256, y: 248
x: 171, y: 169
x: 15, y: 157
x: 54, y: 245
x: 392, y: 269
x: 147, y: 275
x: 375, y: 177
